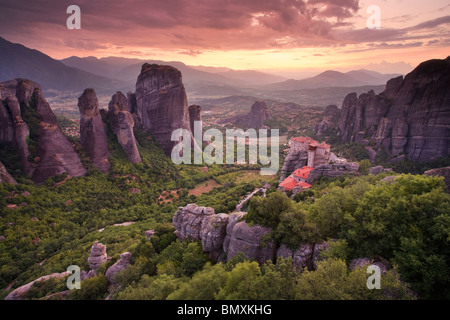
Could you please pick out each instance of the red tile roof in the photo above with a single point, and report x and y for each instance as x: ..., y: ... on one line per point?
x: 303, y: 172
x: 289, y: 183
x: 311, y: 142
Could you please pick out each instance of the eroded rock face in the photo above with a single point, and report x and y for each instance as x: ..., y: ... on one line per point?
x: 222, y: 234
x: 122, y: 124
x: 254, y: 119
x: 334, y: 170
x: 121, y: 264
x: 162, y: 103
x: 331, y: 116
x: 442, y: 172
x: 411, y: 117
x: 5, y: 177
x: 212, y: 234
x: 194, y: 115
x: 21, y: 292
x: 188, y: 221
x: 248, y: 240
x: 98, y: 256
x: 301, y: 258
x: 55, y: 154
x: 92, y: 130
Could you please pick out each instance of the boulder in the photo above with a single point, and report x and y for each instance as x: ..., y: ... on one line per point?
x: 212, y: 234
x: 21, y: 292
x: 376, y: 170
x: 121, y: 264
x: 441, y: 172
x: 318, y: 248
x: 98, y: 256
x: 249, y: 241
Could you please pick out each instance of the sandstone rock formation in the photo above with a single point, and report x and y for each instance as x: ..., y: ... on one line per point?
x: 5, y: 177
x: 249, y: 241
x: 334, y: 170
x: 331, y: 115
x: 194, y: 115
x: 411, y: 117
x: 161, y: 103
x: 254, y: 119
x: 121, y: 264
x: 224, y: 236
x: 122, y: 124
x: 55, y: 154
x: 21, y: 292
x: 442, y: 172
x: 92, y: 130
x: 98, y: 256
x: 21, y: 133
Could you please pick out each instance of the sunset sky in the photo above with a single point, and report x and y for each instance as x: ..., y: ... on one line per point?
x: 271, y: 35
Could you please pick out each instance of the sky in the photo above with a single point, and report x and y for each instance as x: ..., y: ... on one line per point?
x: 282, y: 36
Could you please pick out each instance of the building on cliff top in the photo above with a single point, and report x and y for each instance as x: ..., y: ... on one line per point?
x: 305, y: 153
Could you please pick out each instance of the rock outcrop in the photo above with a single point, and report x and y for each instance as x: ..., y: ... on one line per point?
x: 5, y: 177
x: 442, y: 172
x: 224, y: 236
x: 92, y: 130
x: 21, y: 132
x: 254, y: 119
x: 161, y: 103
x: 411, y: 117
x: 55, y: 155
x: 334, y: 170
x: 21, y: 292
x: 122, y: 124
x: 221, y: 234
x: 249, y: 241
x: 331, y: 116
x: 98, y: 256
x: 194, y: 115
x: 121, y: 264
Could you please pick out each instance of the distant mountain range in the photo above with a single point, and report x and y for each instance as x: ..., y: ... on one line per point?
x: 18, y: 61
x: 110, y: 74
x: 332, y: 78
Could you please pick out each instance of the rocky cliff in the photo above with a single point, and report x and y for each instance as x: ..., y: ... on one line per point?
x: 223, y: 236
x: 52, y: 153
x: 161, y: 103
x: 92, y: 130
x: 411, y: 117
x: 254, y: 119
x: 5, y: 177
x: 55, y: 155
x: 194, y: 115
x: 122, y: 124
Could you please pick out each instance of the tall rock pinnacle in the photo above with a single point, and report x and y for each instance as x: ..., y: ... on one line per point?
x: 55, y: 154
x: 122, y: 124
x: 92, y: 130
x: 162, y: 103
